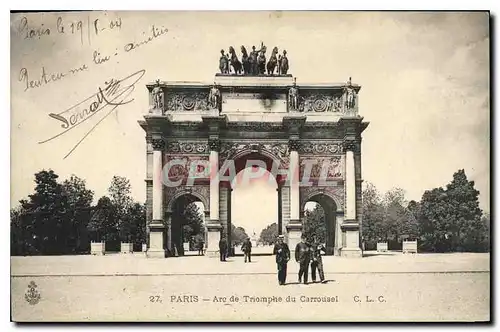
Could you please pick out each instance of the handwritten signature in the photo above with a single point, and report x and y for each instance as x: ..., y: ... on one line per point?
x: 114, y: 93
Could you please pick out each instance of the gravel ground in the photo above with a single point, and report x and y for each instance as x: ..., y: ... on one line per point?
x: 453, y: 287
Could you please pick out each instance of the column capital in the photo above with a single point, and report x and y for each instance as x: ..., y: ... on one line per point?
x: 293, y: 144
x: 350, y: 145
x: 214, y: 143
x: 158, y: 144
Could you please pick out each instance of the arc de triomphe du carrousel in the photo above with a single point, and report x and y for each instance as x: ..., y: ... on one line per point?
x: 308, y: 136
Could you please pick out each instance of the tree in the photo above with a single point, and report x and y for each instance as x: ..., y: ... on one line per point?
x: 238, y: 235
x: 450, y: 219
x: 314, y: 224
x: 79, y: 199
x: 47, y: 209
x: 463, y: 200
x: 192, y: 222
x: 104, y: 222
x: 373, y: 216
x: 119, y: 192
x: 410, y: 227
x: 396, y: 216
x: 21, y: 232
x: 269, y: 234
x: 136, y: 222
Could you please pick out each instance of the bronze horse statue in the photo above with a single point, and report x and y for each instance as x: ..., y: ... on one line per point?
x: 245, y: 60
x: 273, y: 61
x: 234, y: 61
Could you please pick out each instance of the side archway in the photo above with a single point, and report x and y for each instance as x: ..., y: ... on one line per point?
x: 333, y: 218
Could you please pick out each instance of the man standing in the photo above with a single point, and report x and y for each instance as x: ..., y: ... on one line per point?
x: 303, y: 257
x: 246, y: 247
x: 317, y: 262
x: 223, y: 249
x: 282, y: 257
x: 201, y: 246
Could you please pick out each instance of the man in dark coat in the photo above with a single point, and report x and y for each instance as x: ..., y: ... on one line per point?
x: 282, y: 257
x: 201, y: 247
x: 303, y: 257
x: 246, y: 247
x: 223, y: 249
x: 317, y: 262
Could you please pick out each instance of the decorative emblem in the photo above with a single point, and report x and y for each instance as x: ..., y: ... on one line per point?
x: 158, y: 143
x: 188, y: 103
x: 320, y: 148
x: 32, y: 295
x: 193, y: 147
x: 195, y: 101
x: 214, y: 144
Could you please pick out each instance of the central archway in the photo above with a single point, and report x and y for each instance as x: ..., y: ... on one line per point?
x: 254, y: 203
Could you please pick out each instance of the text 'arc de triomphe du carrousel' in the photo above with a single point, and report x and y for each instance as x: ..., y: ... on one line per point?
x: 200, y: 135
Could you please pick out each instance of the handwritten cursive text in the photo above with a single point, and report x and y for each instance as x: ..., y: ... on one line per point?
x: 114, y: 93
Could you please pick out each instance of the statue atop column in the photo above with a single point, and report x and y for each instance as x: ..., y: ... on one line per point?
x: 157, y: 95
x: 349, y: 96
x: 223, y: 63
x: 214, y: 97
x: 293, y: 96
x: 283, y: 64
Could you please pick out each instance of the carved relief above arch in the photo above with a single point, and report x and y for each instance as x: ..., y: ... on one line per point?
x: 335, y: 193
x: 276, y: 151
x: 201, y: 192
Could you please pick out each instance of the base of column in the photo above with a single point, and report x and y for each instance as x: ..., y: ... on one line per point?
x: 351, y: 252
x: 294, y: 232
x: 213, y: 237
x: 156, y: 254
x: 156, y: 249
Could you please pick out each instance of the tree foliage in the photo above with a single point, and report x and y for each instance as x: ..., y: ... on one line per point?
x: 238, y: 235
x: 269, y: 234
x: 450, y: 219
x: 314, y: 227
x: 446, y: 219
x: 59, y: 218
x: 192, y: 222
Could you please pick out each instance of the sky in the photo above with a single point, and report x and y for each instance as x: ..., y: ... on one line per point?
x: 424, y: 77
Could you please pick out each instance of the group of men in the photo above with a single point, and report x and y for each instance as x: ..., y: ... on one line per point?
x: 246, y: 247
x: 305, y: 254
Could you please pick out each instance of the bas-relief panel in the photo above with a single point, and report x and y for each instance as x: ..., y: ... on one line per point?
x: 327, y: 167
x: 188, y: 101
x: 179, y: 166
x: 279, y: 150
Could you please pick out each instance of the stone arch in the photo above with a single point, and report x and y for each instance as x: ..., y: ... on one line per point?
x: 333, y: 210
x: 308, y: 195
x: 189, y: 191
